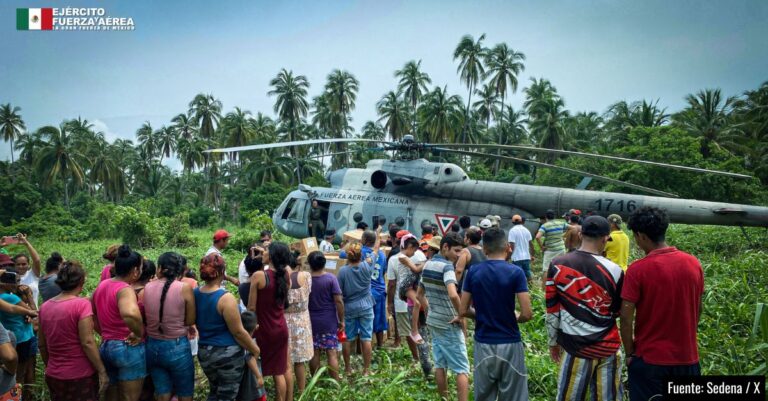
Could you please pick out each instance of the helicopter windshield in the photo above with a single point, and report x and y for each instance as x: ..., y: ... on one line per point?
x: 295, y: 210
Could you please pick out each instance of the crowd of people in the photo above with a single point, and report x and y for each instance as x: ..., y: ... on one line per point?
x: 154, y: 318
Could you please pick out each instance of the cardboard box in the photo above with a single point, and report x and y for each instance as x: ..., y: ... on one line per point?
x: 353, y: 236
x: 333, y: 263
x: 308, y: 245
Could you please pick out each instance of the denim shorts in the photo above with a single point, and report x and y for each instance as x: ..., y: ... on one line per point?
x: 360, y: 326
x: 449, y: 350
x: 170, y: 364
x: 122, y: 361
x: 525, y: 265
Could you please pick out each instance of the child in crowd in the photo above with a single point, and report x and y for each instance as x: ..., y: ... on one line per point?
x: 252, y: 386
x: 410, y: 274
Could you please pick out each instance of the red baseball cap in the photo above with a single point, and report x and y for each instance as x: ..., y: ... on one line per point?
x: 401, y: 233
x: 220, y: 235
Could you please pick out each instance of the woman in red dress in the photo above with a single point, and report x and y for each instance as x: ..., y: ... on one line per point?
x: 268, y: 297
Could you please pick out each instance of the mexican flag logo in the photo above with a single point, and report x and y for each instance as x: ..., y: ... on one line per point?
x: 34, y: 19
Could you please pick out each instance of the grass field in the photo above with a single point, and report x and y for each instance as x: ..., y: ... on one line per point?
x: 736, y: 280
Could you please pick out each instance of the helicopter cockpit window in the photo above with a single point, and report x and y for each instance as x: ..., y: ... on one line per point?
x: 297, y: 213
x: 288, y: 208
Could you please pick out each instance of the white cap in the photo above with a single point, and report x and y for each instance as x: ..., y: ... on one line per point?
x: 485, y: 224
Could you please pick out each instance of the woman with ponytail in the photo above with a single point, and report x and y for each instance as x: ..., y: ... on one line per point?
x: 73, y: 367
x: 222, y: 336
x: 119, y: 322
x: 268, y: 297
x: 169, y: 305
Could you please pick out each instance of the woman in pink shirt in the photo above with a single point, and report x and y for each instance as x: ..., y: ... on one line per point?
x: 108, y: 271
x: 73, y: 367
x: 169, y: 305
x: 120, y: 325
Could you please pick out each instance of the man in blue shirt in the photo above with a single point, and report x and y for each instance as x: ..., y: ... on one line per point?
x: 492, y: 287
x: 378, y: 262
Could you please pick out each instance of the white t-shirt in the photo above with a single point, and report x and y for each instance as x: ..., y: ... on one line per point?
x: 29, y: 279
x: 212, y: 249
x: 417, y: 258
x: 520, y: 236
x: 242, y: 274
x: 400, y: 306
x: 326, y: 247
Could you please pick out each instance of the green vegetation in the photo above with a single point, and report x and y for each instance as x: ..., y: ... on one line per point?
x: 76, y: 193
x: 735, y: 283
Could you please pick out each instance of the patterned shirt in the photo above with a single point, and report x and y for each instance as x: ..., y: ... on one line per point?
x: 436, y: 276
x: 583, y: 301
x: 553, y: 235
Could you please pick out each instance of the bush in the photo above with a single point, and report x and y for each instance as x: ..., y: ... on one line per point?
x: 177, y: 231
x: 200, y: 217
x: 138, y: 229
x: 52, y: 221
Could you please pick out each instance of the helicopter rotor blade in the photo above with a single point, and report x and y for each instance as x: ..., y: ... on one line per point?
x: 564, y: 169
x: 592, y: 155
x: 293, y: 143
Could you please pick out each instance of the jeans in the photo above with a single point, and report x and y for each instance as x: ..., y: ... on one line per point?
x: 170, y: 364
x: 123, y: 362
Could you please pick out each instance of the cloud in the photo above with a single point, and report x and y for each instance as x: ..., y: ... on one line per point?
x: 109, y: 135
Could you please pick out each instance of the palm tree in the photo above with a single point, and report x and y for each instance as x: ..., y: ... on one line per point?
x: 487, y: 106
x: 11, y: 124
x: 394, y: 112
x: 291, y: 104
x: 184, y: 126
x: 470, y: 53
x: 166, y: 141
x: 548, y: 124
x: 708, y: 117
x: 29, y: 143
x: 147, y: 138
x: 440, y: 115
x: 503, y: 66
x: 60, y: 159
x: 341, y: 91
x: 374, y: 131
x: 238, y: 129
x: 413, y: 85
x: 206, y: 113
x: 190, y: 152
x: 272, y: 166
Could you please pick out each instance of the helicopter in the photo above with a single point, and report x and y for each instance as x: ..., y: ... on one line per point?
x: 413, y: 192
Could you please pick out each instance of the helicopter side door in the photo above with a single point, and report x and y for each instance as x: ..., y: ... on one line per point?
x: 339, y: 218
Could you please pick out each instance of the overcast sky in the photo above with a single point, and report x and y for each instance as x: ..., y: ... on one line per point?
x: 594, y: 52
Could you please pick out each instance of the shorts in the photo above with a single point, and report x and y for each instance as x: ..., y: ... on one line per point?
x: 449, y: 350
x: 403, y: 320
x: 647, y: 381
x: 601, y: 376
x: 361, y: 326
x: 224, y: 367
x: 526, y: 266
x: 500, y: 372
x: 14, y: 394
x: 122, y: 361
x: 547, y: 259
x: 170, y: 364
x: 379, y: 313
x: 83, y: 389
x: 27, y: 349
x: 325, y: 341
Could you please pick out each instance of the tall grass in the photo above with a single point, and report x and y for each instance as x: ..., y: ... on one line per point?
x: 732, y: 336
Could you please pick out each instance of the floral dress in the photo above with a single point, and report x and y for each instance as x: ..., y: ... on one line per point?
x: 297, y: 317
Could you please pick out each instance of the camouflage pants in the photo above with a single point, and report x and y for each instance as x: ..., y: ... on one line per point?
x: 224, y: 368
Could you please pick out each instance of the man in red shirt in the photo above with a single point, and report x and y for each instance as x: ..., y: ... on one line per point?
x: 661, y: 306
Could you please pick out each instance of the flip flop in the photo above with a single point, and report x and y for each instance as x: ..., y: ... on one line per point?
x: 417, y: 339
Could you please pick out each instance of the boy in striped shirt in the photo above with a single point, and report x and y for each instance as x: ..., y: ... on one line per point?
x: 583, y: 301
x: 438, y: 284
